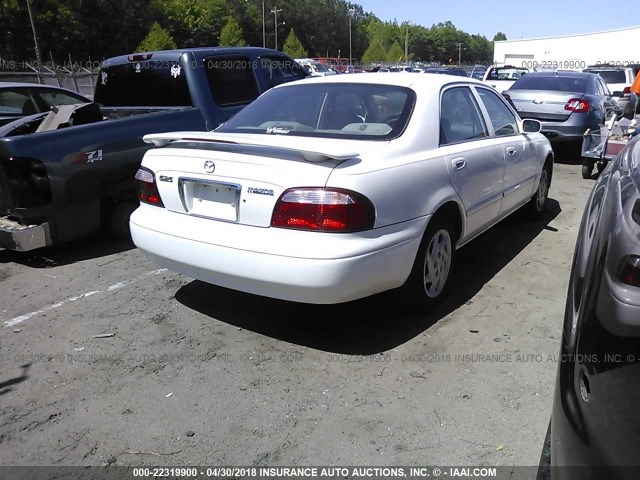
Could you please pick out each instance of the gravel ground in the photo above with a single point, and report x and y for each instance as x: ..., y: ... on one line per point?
x: 105, y: 359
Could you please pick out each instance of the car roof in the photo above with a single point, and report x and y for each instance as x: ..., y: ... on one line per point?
x: 562, y: 73
x: 175, y: 55
x: 609, y: 67
x: 402, y: 79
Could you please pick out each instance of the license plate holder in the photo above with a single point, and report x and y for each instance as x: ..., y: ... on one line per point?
x: 210, y: 199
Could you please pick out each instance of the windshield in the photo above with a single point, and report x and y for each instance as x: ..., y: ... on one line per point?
x: 561, y: 84
x: 354, y: 111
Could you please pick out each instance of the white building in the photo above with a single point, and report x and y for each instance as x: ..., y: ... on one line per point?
x: 571, y: 52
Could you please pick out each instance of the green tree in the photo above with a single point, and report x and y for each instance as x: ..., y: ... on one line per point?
x: 480, y: 49
x: 192, y: 23
x: 231, y: 34
x: 374, y: 53
x: 157, y: 39
x: 499, y: 36
x: 293, y: 46
x: 423, y: 45
x: 395, y: 53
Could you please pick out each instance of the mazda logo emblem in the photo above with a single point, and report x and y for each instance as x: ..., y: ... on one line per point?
x: 209, y: 166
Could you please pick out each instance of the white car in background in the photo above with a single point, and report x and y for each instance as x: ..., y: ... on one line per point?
x: 331, y: 189
x: 502, y: 78
x: 315, y: 68
x: 619, y: 80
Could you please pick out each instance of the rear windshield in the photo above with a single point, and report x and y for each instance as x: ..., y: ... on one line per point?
x: 356, y: 111
x: 611, y: 76
x: 562, y: 84
x: 143, y: 84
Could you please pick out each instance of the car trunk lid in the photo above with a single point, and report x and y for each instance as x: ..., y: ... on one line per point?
x: 238, y: 178
x: 542, y: 105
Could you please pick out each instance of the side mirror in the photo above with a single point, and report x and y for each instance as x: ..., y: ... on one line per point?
x: 531, y: 126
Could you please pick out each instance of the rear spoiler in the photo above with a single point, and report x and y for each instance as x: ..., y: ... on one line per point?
x: 227, y: 143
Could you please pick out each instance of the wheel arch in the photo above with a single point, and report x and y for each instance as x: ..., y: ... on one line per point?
x: 452, y: 211
x: 549, y: 162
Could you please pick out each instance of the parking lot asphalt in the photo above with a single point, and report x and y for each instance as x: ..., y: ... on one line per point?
x: 106, y: 359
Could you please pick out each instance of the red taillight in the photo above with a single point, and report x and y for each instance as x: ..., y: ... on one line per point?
x: 148, y: 188
x: 577, y: 105
x: 323, y: 210
x: 626, y: 91
x: 630, y: 271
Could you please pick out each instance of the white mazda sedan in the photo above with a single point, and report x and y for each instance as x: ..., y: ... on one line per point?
x: 335, y: 188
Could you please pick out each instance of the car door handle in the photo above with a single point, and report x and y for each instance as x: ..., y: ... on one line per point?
x: 458, y: 163
x: 511, y: 151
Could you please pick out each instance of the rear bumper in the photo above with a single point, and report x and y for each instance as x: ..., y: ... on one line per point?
x: 562, y: 133
x: 307, y: 267
x: 15, y: 236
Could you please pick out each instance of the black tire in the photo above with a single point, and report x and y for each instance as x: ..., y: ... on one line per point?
x: 438, y: 246
x: 535, y: 207
x: 600, y: 166
x: 587, y: 168
x: 119, y: 221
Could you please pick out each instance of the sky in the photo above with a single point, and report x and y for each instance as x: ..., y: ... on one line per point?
x: 516, y: 19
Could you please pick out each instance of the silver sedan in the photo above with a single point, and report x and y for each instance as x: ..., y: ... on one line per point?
x: 566, y: 102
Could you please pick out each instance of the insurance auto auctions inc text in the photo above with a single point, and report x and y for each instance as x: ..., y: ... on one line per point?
x: 376, y: 472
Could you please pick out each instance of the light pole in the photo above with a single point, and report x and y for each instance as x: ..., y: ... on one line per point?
x: 350, y: 51
x: 459, y: 52
x: 406, y: 44
x: 275, y: 22
x: 264, y: 33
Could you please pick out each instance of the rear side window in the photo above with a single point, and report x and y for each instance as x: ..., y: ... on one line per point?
x: 232, y: 80
x: 602, y: 88
x: 460, y: 118
x: 144, y: 84
x: 503, y: 121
